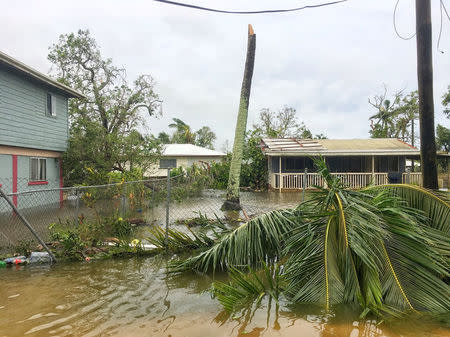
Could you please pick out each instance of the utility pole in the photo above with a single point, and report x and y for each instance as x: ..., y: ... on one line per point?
x: 425, y: 84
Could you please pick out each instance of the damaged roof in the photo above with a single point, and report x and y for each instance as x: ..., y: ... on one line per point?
x: 333, y: 147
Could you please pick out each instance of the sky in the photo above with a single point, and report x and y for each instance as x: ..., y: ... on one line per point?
x: 324, y: 62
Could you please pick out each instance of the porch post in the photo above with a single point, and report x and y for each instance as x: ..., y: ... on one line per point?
x: 280, y: 181
x: 373, y: 169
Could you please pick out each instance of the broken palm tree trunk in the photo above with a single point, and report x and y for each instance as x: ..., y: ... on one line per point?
x: 232, y: 199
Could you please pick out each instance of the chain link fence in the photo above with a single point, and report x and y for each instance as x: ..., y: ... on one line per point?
x: 142, y: 202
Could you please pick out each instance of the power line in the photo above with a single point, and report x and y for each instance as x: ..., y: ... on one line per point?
x: 440, y: 28
x: 395, y: 26
x: 441, y: 7
x: 249, y: 12
x: 445, y: 9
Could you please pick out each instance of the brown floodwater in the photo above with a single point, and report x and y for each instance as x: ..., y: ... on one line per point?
x: 135, y: 297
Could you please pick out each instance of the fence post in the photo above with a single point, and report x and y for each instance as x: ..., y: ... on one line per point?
x: 167, y: 208
x: 408, y: 178
x: 77, y: 207
x: 152, y: 188
x: 27, y: 224
x: 124, y: 199
x: 305, y: 182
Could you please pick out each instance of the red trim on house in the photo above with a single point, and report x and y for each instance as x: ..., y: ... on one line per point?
x: 14, y: 178
x: 61, y: 183
x: 415, y: 148
x: 41, y: 182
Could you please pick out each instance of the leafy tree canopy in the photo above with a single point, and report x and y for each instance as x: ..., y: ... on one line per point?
x: 205, y: 137
x: 394, y: 117
x: 443, y: 138
x: 446, y: 103
x: 282, y: 124
x: 105, y: 126
x: 183, y: 134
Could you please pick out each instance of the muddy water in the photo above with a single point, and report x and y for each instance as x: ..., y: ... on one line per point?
x: 134, y: 297
x: 209, y: 204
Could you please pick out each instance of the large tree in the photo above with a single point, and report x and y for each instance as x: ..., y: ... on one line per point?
x: 382, y: 122
x: 205, y: 137
x: 104, y: 127
x: 281, y: 124
x: 395, y: 117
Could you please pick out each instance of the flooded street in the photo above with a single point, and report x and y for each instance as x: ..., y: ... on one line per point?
x: 134, y: 297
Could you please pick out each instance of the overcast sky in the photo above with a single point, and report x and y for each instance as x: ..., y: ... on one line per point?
x: 324, y: 62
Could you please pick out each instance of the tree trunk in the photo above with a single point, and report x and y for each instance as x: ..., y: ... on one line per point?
x: 232, y: 200
x: 426, y: 105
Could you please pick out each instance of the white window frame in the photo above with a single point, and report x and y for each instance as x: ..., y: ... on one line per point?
x: 38, y: 176
x: 51, y: 111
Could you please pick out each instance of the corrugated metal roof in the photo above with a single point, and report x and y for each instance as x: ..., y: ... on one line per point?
x: 337, y: 146
x: 36, y: 75
x: 189, y: 150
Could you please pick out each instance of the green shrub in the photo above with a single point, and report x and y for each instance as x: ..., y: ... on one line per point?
x: 25, y: 247
x: 69, y: 239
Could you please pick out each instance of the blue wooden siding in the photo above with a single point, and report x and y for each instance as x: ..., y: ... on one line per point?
x: 23, y: 178
x: 23, y: 118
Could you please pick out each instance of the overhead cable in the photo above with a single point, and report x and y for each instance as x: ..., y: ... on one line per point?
x: 395, y: 25
x: 175, y: 3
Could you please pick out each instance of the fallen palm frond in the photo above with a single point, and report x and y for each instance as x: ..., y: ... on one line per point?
x: 178, y: 241
x: 435, y: 205
x: 251, y: 287
x: 258, y: 240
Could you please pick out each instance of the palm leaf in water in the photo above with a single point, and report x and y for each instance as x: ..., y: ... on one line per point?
x: 259, y: 240
x: 382, y: 248
x: 245, y: 288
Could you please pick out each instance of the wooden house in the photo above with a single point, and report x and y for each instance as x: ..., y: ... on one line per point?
x: 358, y: 162
x: 34, y: 129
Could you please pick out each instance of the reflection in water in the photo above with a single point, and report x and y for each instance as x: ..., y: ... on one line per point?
x: 135, y: 297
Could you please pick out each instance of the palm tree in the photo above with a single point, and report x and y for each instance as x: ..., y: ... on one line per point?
x: 385, y: 248
x: 232, y: 199
x: 183, y: 133
x: 385, y: 117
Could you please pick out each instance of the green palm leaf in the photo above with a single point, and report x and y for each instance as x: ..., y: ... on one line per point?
x: 245, y: 288
x: 178, y: 241
x: 435, y: 205
x: 260, y: 239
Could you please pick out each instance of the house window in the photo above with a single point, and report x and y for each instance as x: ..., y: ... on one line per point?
x: 167, y: 163
x: 51, y: 105
x: 38, y: 169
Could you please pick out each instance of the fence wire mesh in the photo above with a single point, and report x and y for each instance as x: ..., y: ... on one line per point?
x: 142, y: 202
